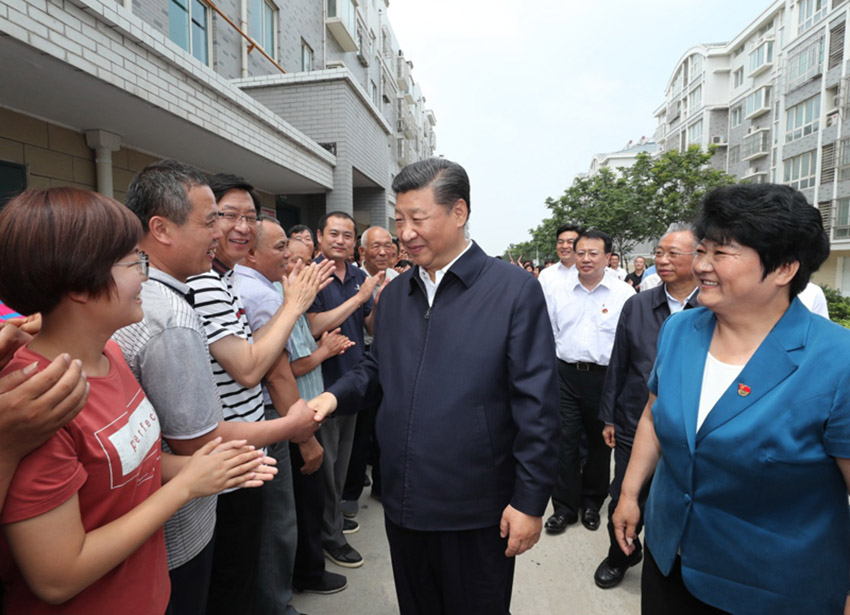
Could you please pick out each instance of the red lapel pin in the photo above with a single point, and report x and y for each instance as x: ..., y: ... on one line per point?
x: 743, y: 390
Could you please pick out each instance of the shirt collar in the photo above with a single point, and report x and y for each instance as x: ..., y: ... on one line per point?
x: 157, y: 275
x: 250, y: 272
x: 441, y: 272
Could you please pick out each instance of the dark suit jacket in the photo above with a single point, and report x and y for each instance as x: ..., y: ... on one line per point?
x: 469, y: 419
x: 635, y: 346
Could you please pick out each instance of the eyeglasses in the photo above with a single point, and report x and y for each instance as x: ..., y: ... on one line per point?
x: 672, y: 254
x: 233, y: 217
x: 144, y: 264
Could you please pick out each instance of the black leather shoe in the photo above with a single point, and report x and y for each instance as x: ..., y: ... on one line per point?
x: 557, y: 523
x: 608, y: 576
x: 590, y: 518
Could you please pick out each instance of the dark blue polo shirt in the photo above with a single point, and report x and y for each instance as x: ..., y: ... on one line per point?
x: 337, y: 293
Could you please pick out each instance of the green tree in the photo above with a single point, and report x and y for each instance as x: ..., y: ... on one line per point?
x: 633, y: 204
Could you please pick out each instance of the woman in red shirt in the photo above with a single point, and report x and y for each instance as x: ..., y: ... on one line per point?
x: 83, y: 517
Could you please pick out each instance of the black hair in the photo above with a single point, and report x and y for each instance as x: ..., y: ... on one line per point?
x: 592, y: 233
x: 323, y: 221
x: 447, y: 180
x: 222, y: 183
x: 300, y: 228
x: 162, y: 189
x: 774, y: 220
x: 568, y: 227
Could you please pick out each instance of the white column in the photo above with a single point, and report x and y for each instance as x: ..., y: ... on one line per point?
x: 103, y: 143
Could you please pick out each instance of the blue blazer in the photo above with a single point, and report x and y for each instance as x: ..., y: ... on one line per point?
x: 469, y: 418
x: 754, y: 499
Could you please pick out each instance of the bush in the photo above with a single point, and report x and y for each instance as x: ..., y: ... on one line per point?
x: 838, y: 305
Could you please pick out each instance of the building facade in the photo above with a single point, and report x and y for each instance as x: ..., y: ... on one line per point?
x: 313, y: 101
x: 776, y: 103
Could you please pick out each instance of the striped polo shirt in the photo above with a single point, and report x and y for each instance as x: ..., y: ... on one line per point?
x: 222, y: 314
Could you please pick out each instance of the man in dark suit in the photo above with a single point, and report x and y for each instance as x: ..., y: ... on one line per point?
x: 464, y: 356
x: 625, y: 392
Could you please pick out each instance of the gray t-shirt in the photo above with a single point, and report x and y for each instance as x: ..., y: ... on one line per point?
x: 169, y: 356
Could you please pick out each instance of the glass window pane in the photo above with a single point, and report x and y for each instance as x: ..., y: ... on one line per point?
x: 255, y: 20
x: 268, y: 41
x: 199, y: 43
x: 178, y: 24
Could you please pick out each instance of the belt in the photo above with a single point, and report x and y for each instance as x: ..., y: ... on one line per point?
x: 585, y: 367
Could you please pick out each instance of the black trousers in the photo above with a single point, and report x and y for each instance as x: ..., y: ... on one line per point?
x: 237, y: 548
x: 309, y: 504
x: 190, y: 584
x: 622, y: 453
x: 660, y: 595
x: 451, y: 573
x: 577, y: 487
x: 361, y: 448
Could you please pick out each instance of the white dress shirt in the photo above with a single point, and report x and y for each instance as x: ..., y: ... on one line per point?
x: 431, y: 287
x: 584, y: 321
x: 553, y: 274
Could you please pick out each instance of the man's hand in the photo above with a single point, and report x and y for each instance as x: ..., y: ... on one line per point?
x: 368, y: 287
x: 34, y: 405
x: 323, y: 405
x: 522, y: 530
x: 333, y: 343
x: 303, y: 424
x: 608, y: 436
x: 312, y: 453
x: 301, y: 287
x: 625, y: 520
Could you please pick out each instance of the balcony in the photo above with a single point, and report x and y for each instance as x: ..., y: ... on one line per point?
x: 761, y: 58
x: 754, y: 175
x: 403, y: 151
x: 342, y: 23
x: 402, y: 73
x: 756, y: 144
x: 757, y: 103
x: 405, y: 122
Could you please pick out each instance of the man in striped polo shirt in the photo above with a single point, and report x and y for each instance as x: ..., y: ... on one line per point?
x: 238, y: 366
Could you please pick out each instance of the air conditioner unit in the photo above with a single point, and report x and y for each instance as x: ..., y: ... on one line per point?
x: 335, y: 64
x: 752, y: 171
x: 719, y: 140
x: 836, y: 101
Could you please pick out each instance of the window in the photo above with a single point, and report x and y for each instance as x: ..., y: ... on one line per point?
x: 758, y: 102
x: 761, y: 57
x: 800, y: 171
x: 738, y: 75
x: 842, y: 221
x: 373, y: 92
x: 737, y: 116
x: 695, y: 134
x: 187, y: 26
x: 696, y: 66
x: 734, y: 155
x: 811, y: 12
x: 806, y: 64
x: 262, y: 24
x: 844, y: 160
x: 802, y: 119
x: 306, y: 57
x: 695, y: 99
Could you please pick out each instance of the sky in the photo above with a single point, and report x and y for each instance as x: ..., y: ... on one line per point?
x: 525, y: 95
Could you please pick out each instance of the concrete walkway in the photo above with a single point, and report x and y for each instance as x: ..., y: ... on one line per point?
x: 556, y: 576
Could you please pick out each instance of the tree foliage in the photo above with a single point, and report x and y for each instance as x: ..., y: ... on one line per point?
x: 633, y: 204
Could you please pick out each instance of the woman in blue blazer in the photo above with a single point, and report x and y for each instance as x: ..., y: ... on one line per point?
x: 748, y: 427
